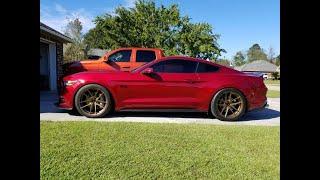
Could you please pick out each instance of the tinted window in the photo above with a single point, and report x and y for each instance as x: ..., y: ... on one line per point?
x: 145, y: 56
x: 203, y: 68
x: 121, y: 56
x: 94, y: 57
x: 175, y: 66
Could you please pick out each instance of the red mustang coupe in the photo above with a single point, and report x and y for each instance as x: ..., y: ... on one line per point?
x: 172, y: 83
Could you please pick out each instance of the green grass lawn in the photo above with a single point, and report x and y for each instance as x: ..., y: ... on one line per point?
x: 273, y: 94
x: 99, y: 150
x: 273, y: 82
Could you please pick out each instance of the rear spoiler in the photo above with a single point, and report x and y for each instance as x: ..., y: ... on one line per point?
x: 254, y: 74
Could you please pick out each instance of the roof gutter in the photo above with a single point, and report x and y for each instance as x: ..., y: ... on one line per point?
x: 66, y: 39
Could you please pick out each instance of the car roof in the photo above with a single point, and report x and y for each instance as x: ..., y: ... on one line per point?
x: 187, y: 58
x: 138, y: 48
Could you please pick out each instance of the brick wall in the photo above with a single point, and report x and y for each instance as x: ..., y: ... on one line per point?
x: 59, y: 48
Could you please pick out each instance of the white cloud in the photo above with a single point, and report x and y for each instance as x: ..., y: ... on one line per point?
x: 60, y: 9
x: 58, y: 17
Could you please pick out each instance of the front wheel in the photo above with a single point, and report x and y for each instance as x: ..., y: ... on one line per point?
x: 93, y: 101
x: 228, y: 105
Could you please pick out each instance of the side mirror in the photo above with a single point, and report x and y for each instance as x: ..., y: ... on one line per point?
x: 147, y: 71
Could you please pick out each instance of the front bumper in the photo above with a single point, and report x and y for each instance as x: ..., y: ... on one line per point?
x: 61, y: 106
x: 66, y: 94
x: 65, y: 101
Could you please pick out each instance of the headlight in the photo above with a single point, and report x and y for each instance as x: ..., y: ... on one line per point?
x: 72, y: 82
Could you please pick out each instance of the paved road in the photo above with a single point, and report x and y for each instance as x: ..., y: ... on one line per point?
x: 266, y: 117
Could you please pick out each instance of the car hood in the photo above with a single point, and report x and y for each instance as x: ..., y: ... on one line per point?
x: 86, y: 61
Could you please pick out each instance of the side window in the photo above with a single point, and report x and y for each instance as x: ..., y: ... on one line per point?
x: 145, y: 56
x: 93, y: 57
x: 175, y: 66
x: 121, y: 56
x: 205, y: 68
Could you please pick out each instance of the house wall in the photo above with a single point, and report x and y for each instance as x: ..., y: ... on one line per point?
x: 51, y: 63
x: 55, y: 41
x: 55, y: 60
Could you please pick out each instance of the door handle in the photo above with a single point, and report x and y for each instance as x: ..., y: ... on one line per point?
x: 126, y: 67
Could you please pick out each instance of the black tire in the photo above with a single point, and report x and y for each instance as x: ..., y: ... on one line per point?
x: 74, y: 112
x: 92, y: 101
x: 222, y: 111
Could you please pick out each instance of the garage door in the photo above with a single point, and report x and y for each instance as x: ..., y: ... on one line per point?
x: 44, y: 67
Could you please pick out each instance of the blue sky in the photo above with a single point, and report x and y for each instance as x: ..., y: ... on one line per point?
x: 241, y: 23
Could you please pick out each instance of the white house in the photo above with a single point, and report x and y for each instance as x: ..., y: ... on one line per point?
x: 51, y: 57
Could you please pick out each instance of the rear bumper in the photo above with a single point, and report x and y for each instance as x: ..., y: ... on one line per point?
x: 264, y: 105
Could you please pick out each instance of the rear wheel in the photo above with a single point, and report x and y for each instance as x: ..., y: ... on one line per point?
x: 228, y: 105
x: 93, y: 101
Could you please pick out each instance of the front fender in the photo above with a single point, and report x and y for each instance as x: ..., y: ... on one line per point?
x: 105, y: 84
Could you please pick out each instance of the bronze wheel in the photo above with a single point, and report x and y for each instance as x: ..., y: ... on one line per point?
x: 93, y: 101
x: 228, y: 104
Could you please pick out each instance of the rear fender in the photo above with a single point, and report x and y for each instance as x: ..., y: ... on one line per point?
x: 242, y: 90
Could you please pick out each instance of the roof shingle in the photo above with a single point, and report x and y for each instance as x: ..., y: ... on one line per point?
x: 258, y: 66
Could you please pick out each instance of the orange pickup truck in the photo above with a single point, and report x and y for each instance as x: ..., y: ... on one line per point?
x: 122, y: 59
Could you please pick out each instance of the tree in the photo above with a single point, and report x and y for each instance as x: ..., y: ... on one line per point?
x: 146, y: 25
x: 271, y: 54
x: 278, y: 60
x: 197, y: 40
x: 255, y: 52
x: 275, y: 75
x: 223, y: 61
x: 239, y: 59
x: 74, y: 51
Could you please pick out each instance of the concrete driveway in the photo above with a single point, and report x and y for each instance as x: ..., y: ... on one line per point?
x: 267, y: 117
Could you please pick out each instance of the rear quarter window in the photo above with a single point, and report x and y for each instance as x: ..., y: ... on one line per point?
x: 206, y: 68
